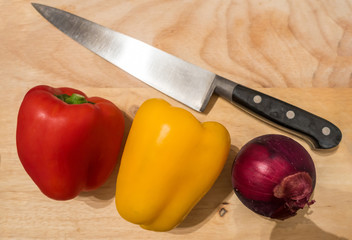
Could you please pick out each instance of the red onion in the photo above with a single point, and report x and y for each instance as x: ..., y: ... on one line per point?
x: 274, y: 176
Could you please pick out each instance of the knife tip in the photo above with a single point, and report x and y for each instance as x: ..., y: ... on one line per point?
x: 37, y: 5
x: 41, y: 8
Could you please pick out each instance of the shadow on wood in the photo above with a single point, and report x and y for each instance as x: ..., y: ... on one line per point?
x: 103, y: 196
x: 301, y: 227
x: 214, y: 202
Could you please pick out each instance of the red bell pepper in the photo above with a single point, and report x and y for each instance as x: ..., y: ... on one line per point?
x: 67, y: 142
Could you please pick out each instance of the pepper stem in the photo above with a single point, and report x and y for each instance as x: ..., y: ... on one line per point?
x: 296, y: 190
x: 73, y: 99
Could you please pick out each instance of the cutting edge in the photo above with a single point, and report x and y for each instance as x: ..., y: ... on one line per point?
x: 180, y: 77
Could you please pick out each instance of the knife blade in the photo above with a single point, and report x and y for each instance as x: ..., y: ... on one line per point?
x: 186, y: 82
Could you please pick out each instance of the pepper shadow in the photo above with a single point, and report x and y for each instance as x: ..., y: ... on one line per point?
x: 211, y: 202
x: 104, y: 195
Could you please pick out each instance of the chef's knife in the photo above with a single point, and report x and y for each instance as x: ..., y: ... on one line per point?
x: 185, y: 82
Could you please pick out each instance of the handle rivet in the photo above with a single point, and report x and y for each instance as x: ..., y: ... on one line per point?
x: 257, y: 99
x: 290, y: 114
x: 325, y: 131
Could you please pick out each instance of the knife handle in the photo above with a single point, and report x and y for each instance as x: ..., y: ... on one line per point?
x: 322, y: 133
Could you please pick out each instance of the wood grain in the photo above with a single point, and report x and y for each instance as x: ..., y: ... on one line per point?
x: 256, y: 43
x: 298, y: 51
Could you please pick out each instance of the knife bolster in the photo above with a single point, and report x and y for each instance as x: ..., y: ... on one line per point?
x: 224, y: 87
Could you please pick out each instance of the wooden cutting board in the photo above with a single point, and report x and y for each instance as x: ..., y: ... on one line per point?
x: 298, y: 51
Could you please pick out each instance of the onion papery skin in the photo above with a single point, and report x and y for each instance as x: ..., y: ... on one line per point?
x: 274, y: 176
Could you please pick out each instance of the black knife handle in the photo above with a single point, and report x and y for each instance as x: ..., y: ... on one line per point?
x: 322, y: 133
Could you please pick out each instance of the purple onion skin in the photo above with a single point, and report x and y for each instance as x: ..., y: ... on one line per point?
x: 274, y: 176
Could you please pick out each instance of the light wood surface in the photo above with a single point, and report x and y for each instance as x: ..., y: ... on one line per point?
x: 298, y: 51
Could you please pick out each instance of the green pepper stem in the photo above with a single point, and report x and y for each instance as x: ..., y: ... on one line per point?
x: 73, y: 99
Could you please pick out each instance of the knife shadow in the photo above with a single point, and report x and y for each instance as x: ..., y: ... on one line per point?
x: 211, y: 104
x: 214, y: 202
x: 104, y: 195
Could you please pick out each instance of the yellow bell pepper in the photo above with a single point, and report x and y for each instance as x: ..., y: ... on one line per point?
x: 169, y: 163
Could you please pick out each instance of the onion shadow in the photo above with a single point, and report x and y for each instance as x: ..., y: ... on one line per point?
x: 301, y: 227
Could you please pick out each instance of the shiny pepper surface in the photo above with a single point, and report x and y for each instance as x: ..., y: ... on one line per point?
x: 67, y: 142
x: 170, y: 162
